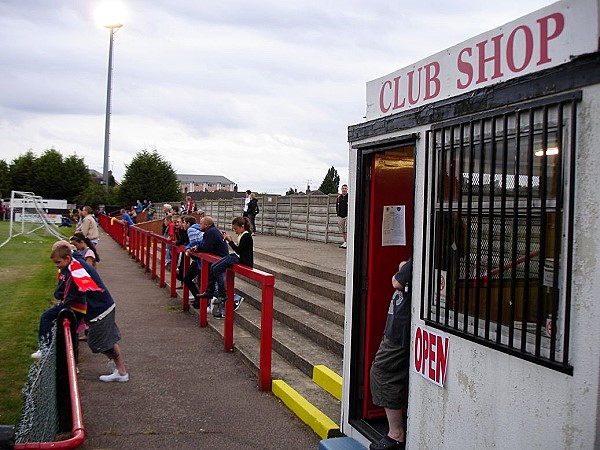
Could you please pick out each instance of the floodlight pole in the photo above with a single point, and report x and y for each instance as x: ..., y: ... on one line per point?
x: 112, y: 29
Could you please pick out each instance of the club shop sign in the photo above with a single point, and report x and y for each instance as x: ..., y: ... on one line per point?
x: 546, y: 38
x: 430, y: 355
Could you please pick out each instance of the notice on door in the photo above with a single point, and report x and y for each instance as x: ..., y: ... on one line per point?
x: 393, y: 227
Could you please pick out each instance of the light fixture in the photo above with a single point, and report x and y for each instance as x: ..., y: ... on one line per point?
x: 549, y: 152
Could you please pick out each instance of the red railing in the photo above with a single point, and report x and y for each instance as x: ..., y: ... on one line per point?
x: 78, y: 429
x: 143, y: 247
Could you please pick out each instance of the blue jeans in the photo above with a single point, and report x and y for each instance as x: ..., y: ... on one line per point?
x: 218, y: 270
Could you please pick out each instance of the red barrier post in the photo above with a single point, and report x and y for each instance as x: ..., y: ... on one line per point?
x: 163, y: 255
x: 173, y: 271
x: 228, y: 329
x: 202, y: 319
x: 154, y: 255
x: 147, y: 258
x: 266, y: 334
x: 186, y: 292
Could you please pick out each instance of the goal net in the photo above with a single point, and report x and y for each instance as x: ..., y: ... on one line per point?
x: 28, y: 213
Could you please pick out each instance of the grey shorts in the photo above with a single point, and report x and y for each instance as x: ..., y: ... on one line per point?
x: 343, y: 224
x: 389, y: 375
x: 103, y: 334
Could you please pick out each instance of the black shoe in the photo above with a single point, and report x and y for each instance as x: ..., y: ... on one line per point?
x: 195, y: 304
x: 204, y: 295
x: 387, y: 443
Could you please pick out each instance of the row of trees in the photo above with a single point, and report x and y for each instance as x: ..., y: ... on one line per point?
x: 148, y: 176
x: 50, y: 175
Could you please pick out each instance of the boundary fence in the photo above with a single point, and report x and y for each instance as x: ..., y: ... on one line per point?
x: 308, y: 217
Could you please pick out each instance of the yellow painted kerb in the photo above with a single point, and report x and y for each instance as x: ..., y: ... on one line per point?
x: 306, y: 411
x: 328, y: 380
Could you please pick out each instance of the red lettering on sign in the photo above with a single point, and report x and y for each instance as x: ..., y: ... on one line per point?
x: 442, y: 352
x: 432, y: 72
x: 431, y: 355
x: 485, y: 60
x: 432, y: 344
x: 418, y: 351
x: 382, y: 107
x: 559, y: 26
x: 494, y: 57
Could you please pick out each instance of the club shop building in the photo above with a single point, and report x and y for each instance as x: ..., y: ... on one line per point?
x: 482, y: 163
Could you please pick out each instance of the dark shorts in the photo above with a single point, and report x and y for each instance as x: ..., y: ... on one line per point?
x: 389, y: 375
x: 103, y: 334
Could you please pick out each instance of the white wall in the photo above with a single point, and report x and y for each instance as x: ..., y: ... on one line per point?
x: 494, y: 400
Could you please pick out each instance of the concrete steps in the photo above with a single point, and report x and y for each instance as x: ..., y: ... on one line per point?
x: 308, y: 319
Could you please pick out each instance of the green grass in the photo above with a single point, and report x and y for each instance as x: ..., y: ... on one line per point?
x: 27, y: 282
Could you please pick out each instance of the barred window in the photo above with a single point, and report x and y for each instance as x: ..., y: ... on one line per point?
x: 498, y: 229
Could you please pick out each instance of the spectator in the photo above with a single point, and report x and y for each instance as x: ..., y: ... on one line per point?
x: 389, y: 372
x: 195, y: 238
x: 246, y: 203
x: 182, y: 209
x: 89, y: 228
x: 150, y: 211
x: 2, y: 210
x: 243, y: 253
x: 85, y: 248
x: 103, y: 333
x: 133, y: 214
x: 341, y: 209
x: 169, y: 233
x: 139, y: 207
x: 253, y: 211
x: 181, y: 238
x: 214, y: 244
x: 189, y: 205
x: 126, y: 218
x: 67, y: 293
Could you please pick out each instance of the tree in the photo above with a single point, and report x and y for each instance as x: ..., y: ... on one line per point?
x: 22, y: 170
x: 331, y: 182
x: 4, y: 179
x: 77, y: 177
x: 95, y: 195
x: 48, y: 179
x: 150, y: 177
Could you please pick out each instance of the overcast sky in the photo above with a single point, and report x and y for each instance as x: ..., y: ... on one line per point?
x: 261, y: 92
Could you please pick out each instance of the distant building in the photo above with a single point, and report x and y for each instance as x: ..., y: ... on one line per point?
x: 205, y: 183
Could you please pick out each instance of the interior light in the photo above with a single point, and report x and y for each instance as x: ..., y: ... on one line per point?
x: 549, y: 152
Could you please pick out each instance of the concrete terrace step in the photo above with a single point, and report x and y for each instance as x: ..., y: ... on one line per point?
x: 318, y: 329
x: 311, y: 283
x: 320, y: 271
x: 318, y: 304
x: 296, y: 348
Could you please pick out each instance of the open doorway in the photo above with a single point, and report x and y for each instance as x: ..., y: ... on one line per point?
x: 384, y: 236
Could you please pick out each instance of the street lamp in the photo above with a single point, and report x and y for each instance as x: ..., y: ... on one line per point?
x: 112, y: 29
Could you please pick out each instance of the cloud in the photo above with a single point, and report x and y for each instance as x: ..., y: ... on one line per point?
x: 259, y: 92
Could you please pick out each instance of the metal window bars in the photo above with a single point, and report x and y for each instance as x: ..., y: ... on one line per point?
x: 498, y: 228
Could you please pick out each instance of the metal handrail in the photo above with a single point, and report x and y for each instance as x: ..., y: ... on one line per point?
x: 143, y: 247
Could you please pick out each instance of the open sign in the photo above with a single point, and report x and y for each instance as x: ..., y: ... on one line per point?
x: 430, y: 355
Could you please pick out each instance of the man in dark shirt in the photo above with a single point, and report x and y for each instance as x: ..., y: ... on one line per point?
x: 214, y: 244
x: 341, y: 209
x: 389, y: 372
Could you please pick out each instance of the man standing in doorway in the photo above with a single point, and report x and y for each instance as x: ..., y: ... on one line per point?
x: 341, y: 209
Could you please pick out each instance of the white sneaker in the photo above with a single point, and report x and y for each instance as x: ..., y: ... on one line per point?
x: 343, y: 245
x: 37, y: 355
x: 237, y: 301
x: 115, y: 376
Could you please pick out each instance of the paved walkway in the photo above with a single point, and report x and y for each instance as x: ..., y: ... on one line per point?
x: 184, y: 391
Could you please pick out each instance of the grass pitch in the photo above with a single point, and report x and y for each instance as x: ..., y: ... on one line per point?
x: 27, y: 282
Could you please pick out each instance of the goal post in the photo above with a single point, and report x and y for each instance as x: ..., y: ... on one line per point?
x: 29, y: 213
